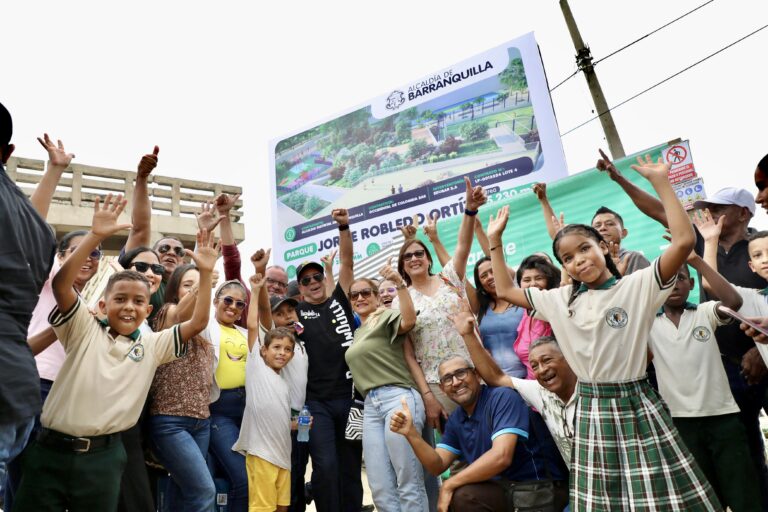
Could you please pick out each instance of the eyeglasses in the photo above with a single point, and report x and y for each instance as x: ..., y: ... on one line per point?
x: 178, y: 251
x: 364, y: 293
x: 275, y: 282
x: 142, y: 267
x: 94, y: 255
x: 228, y: 301
x: 415, y: 254
x: 308, y: 279
x: 388, y: 290
x: 461, y: 374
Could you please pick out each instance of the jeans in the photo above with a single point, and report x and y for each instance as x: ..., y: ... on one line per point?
x: 336, y: 478
x: 395, y: 475
x: 226, y: 417
x: 13, y: 439
x: 181, y: 444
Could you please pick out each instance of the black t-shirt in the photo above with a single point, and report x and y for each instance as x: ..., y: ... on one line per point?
x: 328, y: 332
x: 733, y: 265
x: 26, y: 255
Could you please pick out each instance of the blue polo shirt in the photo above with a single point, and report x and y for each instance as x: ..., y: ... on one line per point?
x: 499, y: 411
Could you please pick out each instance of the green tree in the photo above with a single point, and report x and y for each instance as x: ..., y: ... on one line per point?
x: 513, y: 77
x: 469, y: 106
x: 480, y: 102
x: 312, y: 205
x: 474, y: 130
x: 403, y: 131
x: 419, y: 148
x: 502, y: 97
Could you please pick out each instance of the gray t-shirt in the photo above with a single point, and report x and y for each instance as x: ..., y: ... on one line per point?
x: 635, y: 260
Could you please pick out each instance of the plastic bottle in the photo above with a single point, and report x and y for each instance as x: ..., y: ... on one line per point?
x: 304, y: 419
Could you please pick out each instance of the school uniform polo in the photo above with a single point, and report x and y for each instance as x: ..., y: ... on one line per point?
x: 104, y: 381
x: 691, y: 376
x: 755, y: 304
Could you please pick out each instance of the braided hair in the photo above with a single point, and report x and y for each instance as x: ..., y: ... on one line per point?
x: 589, y: 232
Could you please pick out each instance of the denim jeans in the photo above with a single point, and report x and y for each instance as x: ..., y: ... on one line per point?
x: 226, y: 417
x: 395, y: 475
x: 13, y: 439
x: 181, y: 445
x: 336, y: 480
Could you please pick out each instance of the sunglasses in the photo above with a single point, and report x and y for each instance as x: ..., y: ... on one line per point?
x: 142, y: 267
x: 364, y: 293
x: 415, y: 254
x: 461, y: 374
x: 275, y: 282
x: 94, y: 255
x: 308, y: 279
x: 178, y: 251
x: 228, y: 301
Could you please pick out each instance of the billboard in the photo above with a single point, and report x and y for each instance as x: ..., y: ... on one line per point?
x: 406, y: 153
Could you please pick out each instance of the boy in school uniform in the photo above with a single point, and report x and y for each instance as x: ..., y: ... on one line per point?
x: 77, y: 460
x: 693, y: 383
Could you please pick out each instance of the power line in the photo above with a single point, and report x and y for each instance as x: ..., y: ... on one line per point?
x: 634, y: 42
x: 665, y: 80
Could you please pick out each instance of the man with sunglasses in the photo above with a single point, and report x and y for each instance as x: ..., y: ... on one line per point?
x: 328, y: 331
x: 490, y: 430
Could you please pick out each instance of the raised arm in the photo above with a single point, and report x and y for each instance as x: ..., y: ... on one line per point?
x: 407, y: 309
x: 346, y: 251
x: 710, y: 232
x: 257, y: 288
x: 430, y: 230
x: 205, y: 256
x: 434, y: 460
x: 482, y: 238
x: 58, y: 161
x: 474, y: 198
x: 260, y: 259
x: 327, y: 262
x: 104, y: 224
x: 487, y: 368
x: 505, y: 287
x: 141, y: 208
x: 680, y: 229
x: 540, y: 189
x: 718, y: 286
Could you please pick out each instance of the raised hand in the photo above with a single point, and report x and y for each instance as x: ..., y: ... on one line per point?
x: 558, y: 224
x: 464, y: 320
x: 707, y: 226
x: 605, y: 165
x: 651, y: 170
x: 497, y: 224
x: 260, y: 259
x: 148, y: 163
x: 328, y: 260
x: 409, y: 231
x: 105, y: 216
x: 621, y: 265
x: 207, y: 251
x: 225, y: 202
x: 431, y: 228
x: 206, y: 218
x: 57, y: 155
x: 257, y: 282
x: 390, y: 274
x: 402, y: 420
x: 341, y: 216
x: 474, y: 196
x: 540, y: 189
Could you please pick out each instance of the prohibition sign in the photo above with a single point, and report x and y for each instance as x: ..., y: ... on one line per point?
x: 676, y: 154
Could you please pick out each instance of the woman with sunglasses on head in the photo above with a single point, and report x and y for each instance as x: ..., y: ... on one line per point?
x: 381, y: 374
x: 230, y: 344
x: 179, y: 415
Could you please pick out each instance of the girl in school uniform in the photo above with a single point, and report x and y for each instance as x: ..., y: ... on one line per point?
x: 627, y: 453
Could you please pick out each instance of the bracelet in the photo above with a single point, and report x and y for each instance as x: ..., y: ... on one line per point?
x: 343, y: 227
x: 401, y: 286
x: 493, y: 248
x: 471, y: 213
x: 427, y: 392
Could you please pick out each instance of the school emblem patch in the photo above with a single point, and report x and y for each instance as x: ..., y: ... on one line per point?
x: 616, y: 318
x: 701, y: 333
x: 136, y: 353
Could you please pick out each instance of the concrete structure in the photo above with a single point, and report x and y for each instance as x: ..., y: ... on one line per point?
x: 174, y: 201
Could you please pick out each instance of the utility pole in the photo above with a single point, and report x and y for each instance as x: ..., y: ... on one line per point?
x: 584, y: 62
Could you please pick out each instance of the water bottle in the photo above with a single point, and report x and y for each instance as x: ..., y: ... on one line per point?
x: 304, y: 419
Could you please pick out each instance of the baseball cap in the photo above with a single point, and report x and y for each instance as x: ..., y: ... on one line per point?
x: 276, y: 301
x: 729, y: 195
x: 293, y: 289
x: 306, y: 265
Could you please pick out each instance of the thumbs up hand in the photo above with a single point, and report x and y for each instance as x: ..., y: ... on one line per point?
x: 402, y: 421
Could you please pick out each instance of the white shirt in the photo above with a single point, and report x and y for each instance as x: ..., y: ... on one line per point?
x: 692, y: 380
x: 755, y: 305
x: 605, y: 339
x: 558, y: 415
x: 295, y: 372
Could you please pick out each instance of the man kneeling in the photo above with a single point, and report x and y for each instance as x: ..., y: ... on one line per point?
x: 490, y: 431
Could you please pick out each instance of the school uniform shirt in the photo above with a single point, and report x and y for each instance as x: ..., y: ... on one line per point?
x: 692, y: 380
x: 755, y: 304
x: 558, y: 415
x: 266, y: 428
x: 328, y: 332
x: 104, y: 381
x: 499, y: 411
x: 605, y: 339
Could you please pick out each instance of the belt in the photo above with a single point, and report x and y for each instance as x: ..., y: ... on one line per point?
x: 54, y: 439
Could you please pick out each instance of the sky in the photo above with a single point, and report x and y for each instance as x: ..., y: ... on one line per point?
x: 212, y: 83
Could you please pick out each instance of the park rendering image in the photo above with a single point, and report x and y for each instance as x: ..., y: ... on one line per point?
x: 356, y: 159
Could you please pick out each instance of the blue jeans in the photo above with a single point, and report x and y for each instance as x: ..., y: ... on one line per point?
x: 13, y: 439
x: 395, y: 475
x: 181, y: 444
x: 336, y: 480
x: 226, y: 417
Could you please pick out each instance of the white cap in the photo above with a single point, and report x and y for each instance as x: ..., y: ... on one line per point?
x: 729, y: 195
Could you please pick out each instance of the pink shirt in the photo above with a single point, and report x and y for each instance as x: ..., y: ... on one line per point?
x: 528, y: 331
x: 48, y: 361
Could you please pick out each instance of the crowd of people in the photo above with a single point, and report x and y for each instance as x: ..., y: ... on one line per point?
x: 518, y: 389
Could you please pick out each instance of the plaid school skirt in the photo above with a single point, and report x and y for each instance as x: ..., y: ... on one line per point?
x: 629, y: 456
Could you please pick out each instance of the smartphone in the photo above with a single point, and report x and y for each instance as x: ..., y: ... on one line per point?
x: 741, y: 318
